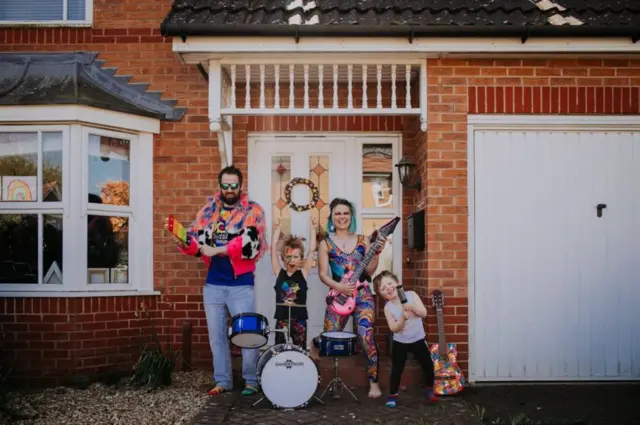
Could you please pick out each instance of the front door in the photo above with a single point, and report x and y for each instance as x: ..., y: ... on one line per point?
x: 272, y: 164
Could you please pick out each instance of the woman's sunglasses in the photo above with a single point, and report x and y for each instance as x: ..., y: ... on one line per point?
x: 232, y: 186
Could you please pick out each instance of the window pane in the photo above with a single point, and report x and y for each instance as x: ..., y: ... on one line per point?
x: 52, y: 249
x: 109, y: 170
x: 108, y: 249
x: 19, y: 248
x: 386, y: 257
x: 377, y: 175
x: 19, y: 166
x: 76, y: 10
x: 280, y: 176
x: 32, y: 10
x: 52, y: 167
x: 319, y: 175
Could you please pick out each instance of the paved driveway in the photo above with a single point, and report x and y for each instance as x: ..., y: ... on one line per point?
x: 556, y: 404
x: 234, y: 409
x: 484, y: 404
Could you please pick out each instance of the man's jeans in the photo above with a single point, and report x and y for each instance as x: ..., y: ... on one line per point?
x: 238, y: 299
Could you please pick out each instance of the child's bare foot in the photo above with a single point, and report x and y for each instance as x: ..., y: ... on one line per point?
x: 374, y: 390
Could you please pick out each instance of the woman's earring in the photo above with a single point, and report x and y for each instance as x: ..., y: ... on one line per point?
x: 332, y: 228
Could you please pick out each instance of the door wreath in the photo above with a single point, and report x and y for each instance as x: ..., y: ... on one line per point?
x: 315, y: 194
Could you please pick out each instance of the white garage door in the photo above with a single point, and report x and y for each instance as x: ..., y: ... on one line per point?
x: 556, y: 288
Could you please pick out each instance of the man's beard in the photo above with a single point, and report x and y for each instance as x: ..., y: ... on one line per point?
x: 231, y: 198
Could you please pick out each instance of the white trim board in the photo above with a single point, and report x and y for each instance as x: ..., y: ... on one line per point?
x: 548, y: 121
x: 519, y: 122
x: 81, y: 114
x: 426, y: 47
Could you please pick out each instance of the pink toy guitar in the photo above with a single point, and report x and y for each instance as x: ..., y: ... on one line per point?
x: 449, y: 379
x: 342, y: 304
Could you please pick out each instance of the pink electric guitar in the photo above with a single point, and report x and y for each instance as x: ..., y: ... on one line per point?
x: 342, y: 304
x: 449, y: 379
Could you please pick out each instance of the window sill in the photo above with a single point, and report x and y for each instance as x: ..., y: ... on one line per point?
x: 46, y: 24
x: 77, y: 294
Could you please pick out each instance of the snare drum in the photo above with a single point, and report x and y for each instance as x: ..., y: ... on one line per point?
x: 337, y: 344
x: 288, y: 376
x: 249, y: 330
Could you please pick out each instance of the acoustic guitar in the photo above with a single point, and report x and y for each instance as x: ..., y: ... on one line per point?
x: 342, y: 304
x: 449, y: 379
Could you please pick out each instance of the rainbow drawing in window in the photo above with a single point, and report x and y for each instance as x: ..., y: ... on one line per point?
x: 19, y: 188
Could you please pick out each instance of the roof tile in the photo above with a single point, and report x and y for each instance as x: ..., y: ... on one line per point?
x: 420, y: 13
x: 77, y: 78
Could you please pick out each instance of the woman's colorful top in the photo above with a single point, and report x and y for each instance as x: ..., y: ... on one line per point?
x: 341, y: 261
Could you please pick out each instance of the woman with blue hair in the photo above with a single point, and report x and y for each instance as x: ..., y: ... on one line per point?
x: 338, y: 254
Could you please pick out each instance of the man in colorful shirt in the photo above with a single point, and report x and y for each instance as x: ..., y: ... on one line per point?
x: 227, y: 285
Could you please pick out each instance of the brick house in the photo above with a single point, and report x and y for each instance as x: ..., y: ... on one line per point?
x: 522, y: 119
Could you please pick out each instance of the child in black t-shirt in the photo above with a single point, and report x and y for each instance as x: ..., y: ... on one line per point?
x: 291, y: 284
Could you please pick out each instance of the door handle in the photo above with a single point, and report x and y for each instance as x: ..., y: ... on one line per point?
x: 599, y: 208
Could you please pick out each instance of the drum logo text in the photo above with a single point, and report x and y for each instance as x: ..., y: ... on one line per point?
x: 289, y: 364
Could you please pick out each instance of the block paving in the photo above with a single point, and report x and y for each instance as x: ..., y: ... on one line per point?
x: 232, y: 408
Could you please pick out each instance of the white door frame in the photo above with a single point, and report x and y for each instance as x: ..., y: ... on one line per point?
x: 354, y: 194
x: 354, y: 142
x: 520, y: 123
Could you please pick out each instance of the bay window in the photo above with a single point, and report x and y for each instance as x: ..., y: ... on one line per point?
x: 75, y: 209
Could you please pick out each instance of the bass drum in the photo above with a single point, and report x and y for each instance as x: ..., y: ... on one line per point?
x: 288, y: 376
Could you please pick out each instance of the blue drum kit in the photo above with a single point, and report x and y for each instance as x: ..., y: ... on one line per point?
x: 289, y: 378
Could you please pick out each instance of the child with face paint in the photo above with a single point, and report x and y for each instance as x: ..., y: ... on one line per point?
x: 291, y: 283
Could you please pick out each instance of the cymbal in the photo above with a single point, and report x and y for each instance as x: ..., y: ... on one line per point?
x: 290, y: 305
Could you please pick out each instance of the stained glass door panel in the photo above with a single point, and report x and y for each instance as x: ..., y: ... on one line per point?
x: 273, y: 165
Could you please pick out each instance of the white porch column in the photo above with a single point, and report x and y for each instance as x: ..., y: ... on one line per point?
x: 216, y: 122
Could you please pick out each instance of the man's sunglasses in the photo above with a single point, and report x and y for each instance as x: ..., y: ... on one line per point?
x: 232, y: 186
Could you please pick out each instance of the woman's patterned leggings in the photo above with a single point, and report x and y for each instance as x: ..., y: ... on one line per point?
x: 363, y: 316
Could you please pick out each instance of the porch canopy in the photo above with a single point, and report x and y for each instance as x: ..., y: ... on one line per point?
x: 367, y: 57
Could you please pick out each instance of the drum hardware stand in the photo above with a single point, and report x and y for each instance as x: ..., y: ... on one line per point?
x: 337, y: 383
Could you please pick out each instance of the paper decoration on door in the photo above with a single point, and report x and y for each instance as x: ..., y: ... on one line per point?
x: 315, y: 194
x: 19, y: 188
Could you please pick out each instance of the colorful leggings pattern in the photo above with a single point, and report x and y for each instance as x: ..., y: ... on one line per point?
x: 297, y: 330
x: 363, y: 317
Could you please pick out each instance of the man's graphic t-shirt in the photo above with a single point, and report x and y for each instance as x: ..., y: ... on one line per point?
x: 220, y: 269
x: 219, y: 234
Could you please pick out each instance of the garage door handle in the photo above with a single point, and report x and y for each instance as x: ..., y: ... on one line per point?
x: 600, y: 207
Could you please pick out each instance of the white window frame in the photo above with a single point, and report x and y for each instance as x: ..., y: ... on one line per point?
x: 75, y: 207
x: 110, y: 210
x: 87, y: 22
x: 383, y: 214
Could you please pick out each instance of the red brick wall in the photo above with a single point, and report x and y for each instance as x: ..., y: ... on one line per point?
x: 61, y: 337
x: 126, y: 34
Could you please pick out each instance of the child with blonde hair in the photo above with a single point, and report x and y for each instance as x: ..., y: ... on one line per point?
x: 404, y: 317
